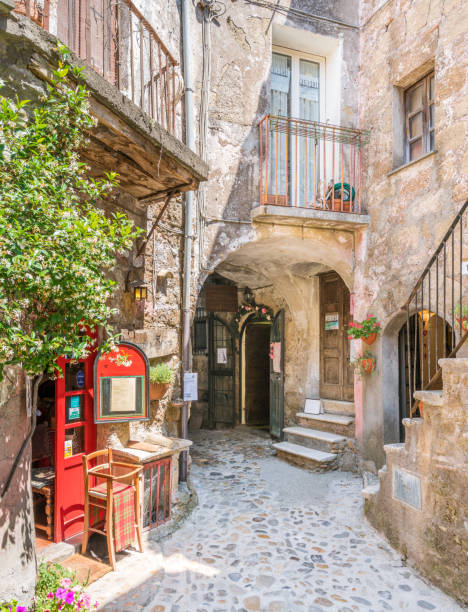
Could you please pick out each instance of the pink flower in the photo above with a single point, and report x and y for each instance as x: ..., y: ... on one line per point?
x: 86, y: 600
x: 50, y: 595
x: 65, y: 582
x: 70, y: 597
x: 359, y: 326
x: 264, y: 310
x: 351, y: 324
x: 60, y: 593
x: 350, y: 337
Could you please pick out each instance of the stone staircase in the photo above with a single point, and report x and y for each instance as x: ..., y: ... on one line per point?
x: 321, y: 442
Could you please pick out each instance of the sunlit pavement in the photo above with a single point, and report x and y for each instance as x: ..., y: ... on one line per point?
x: 267, y: 536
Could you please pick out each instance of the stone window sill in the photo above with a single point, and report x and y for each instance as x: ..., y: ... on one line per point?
x: 411, y: 163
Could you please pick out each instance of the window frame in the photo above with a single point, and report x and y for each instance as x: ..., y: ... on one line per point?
x: 296, y: 56
x: 425, y: 109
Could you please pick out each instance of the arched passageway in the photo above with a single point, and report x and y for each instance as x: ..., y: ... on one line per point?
x: 420, y: 344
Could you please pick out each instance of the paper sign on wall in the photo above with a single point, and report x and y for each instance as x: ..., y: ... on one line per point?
x: 275, y: 354
x: 68, y: 448
x: 332, y: 321
x: 190, y: 386
x: 74, y: 408
x: 465, y: 267
x: 221, y: 355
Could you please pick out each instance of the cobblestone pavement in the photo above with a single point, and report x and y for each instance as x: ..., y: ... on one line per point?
x: 270, y: 537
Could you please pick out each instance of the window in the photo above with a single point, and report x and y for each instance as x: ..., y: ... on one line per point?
x: 419, y: 111
x: 296, y: 85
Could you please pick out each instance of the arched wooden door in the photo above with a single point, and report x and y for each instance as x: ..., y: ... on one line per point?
x: 221, y: 367
x: 277, y: 375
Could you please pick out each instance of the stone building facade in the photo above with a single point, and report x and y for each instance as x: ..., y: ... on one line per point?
x: 271, y: 222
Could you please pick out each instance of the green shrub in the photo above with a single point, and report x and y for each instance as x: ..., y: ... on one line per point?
x: 161, y: 373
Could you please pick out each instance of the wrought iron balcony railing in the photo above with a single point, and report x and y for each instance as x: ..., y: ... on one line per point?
x: 310, y: 164
x: 114, y: 38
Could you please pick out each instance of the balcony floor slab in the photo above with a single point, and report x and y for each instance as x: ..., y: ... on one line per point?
x: 309, y: 217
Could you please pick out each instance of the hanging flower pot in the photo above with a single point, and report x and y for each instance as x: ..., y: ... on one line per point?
x: 365, y: 363
x: 368, y: 365
x: 366, y: 330
x: 158, y: 390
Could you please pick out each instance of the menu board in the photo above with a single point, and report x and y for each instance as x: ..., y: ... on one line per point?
x: 121, y: 385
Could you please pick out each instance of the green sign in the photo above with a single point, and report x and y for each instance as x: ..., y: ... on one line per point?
x: 74, y: 411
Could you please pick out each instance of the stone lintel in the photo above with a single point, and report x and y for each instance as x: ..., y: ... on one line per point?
x: 458, y: 365
x: 309, y: 217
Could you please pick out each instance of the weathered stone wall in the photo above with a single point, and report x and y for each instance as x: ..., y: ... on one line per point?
x: 434, y: 537
x: 410, y: 207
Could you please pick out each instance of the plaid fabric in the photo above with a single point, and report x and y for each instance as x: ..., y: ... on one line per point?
x: 123, y: 514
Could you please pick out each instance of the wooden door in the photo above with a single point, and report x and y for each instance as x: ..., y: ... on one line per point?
x: 277, y: 376
x: 257, y: 373
x: 336, y: 375
x: 220, y: 373
x: 75, y: 436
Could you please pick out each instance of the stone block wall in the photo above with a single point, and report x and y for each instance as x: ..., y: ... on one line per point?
x: 410, y: 206
x: 431, y: 526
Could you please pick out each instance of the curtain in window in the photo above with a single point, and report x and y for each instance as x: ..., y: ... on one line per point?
x: 279, y: 105
x: 309, y: 109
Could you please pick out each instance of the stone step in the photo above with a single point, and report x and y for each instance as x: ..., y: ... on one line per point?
x: 314, y: 460
x: 334, y: 423
x: 315, y: 438
x: 338, y: 407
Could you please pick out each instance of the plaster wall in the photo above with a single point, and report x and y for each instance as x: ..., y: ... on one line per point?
x: 410, y: 207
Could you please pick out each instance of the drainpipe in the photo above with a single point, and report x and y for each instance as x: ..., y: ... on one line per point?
x: 190, y: 141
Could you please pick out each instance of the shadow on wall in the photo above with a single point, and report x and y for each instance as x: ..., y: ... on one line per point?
x: 17, y: 537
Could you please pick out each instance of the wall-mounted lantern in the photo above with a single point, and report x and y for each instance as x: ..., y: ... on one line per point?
x: 140, y: 290
x: 248, y: 296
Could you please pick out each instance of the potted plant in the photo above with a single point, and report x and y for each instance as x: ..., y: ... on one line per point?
x: 161, y: 377
x: 367, y: 330
x: 461, y: 316
x: 365, y: 363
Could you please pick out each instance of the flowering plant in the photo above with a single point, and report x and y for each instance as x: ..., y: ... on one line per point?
x: 261, y: 312
x: 363, y: 329
x: 365, y: 363
x: 461, y: 315
x: 58, y: 590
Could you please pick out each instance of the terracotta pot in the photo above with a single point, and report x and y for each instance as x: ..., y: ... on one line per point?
x: 336, y: 205
x: 368, y: 365
x: 370, y: 339
x: 158, y: 390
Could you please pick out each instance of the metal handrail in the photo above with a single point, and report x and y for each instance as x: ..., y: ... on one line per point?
x: 437, y: 311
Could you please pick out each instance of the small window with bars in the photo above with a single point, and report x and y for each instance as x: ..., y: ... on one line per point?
x: 419, y: 109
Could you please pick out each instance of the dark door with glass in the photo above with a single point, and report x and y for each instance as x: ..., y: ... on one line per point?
x: 221, y: 364
x: 277, y: 375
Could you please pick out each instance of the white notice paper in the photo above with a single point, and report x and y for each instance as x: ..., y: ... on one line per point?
x: 190, y: 386
x: 123, y: 394
x: 221, y: 355
x: 276, y: 346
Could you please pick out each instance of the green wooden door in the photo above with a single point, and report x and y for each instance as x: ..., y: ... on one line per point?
x: 221, y: 364
x: 277, y: 375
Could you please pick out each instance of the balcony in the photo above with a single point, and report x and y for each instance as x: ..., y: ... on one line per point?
x: 131, y: 78
x: 310, y: 173
x: 116, y: 40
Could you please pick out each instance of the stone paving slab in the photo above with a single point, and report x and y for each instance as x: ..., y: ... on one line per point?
x: 268, y: 537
